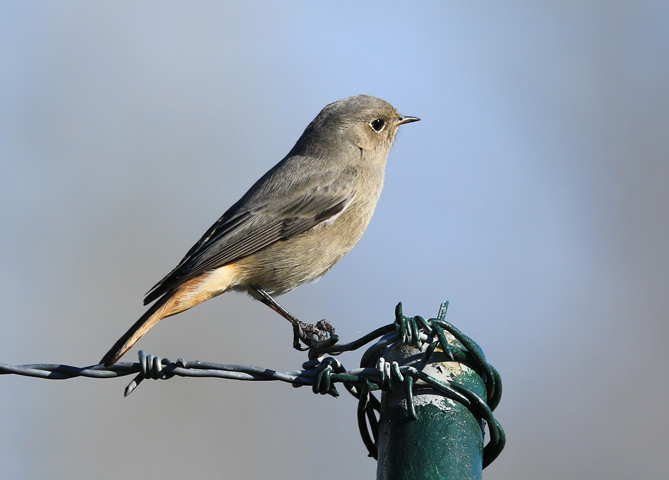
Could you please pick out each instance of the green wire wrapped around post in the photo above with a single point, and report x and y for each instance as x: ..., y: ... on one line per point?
x: 432, y: 418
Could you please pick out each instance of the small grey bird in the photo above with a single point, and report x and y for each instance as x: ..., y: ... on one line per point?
x: 293, y: 224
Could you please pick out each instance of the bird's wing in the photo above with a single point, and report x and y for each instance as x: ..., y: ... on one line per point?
x: 261, y: 220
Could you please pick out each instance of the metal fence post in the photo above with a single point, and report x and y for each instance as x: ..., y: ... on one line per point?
x: 445, y: 440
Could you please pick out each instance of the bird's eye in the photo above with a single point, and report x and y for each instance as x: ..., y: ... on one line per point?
x: 378, y: 124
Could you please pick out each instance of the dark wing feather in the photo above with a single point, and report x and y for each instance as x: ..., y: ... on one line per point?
x: 295, y: 225
x: 242, y: 231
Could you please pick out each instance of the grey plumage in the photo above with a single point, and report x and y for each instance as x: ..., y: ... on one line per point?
x: 294, y: 223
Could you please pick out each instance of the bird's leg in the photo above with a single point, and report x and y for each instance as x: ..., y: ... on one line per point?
x: 301, y: 331
x: 268, y: 300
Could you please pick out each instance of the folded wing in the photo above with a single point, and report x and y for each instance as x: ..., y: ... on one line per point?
x: 240, y: 232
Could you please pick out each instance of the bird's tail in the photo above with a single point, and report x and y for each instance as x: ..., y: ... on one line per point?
x: 153, y: 315
x: 185, y: 296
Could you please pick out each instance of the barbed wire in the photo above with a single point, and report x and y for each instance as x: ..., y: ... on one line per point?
x: 322, y: 371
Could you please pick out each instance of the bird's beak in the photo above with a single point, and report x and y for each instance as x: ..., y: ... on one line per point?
x: 402, y: 120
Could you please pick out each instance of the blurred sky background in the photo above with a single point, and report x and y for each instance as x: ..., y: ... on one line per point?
x: 533, y: 196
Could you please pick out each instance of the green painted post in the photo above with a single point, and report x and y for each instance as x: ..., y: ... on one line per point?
x: 445, y: 441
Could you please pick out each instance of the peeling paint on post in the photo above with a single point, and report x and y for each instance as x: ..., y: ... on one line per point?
x: 445, y: 441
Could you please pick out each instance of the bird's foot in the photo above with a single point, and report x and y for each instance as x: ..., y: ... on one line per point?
x: 310, y: 334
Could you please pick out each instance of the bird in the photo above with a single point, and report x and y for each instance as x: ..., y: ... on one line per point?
x: 293, y: 224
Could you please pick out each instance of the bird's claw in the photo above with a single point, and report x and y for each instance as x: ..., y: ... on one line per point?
x: 313, y: 336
